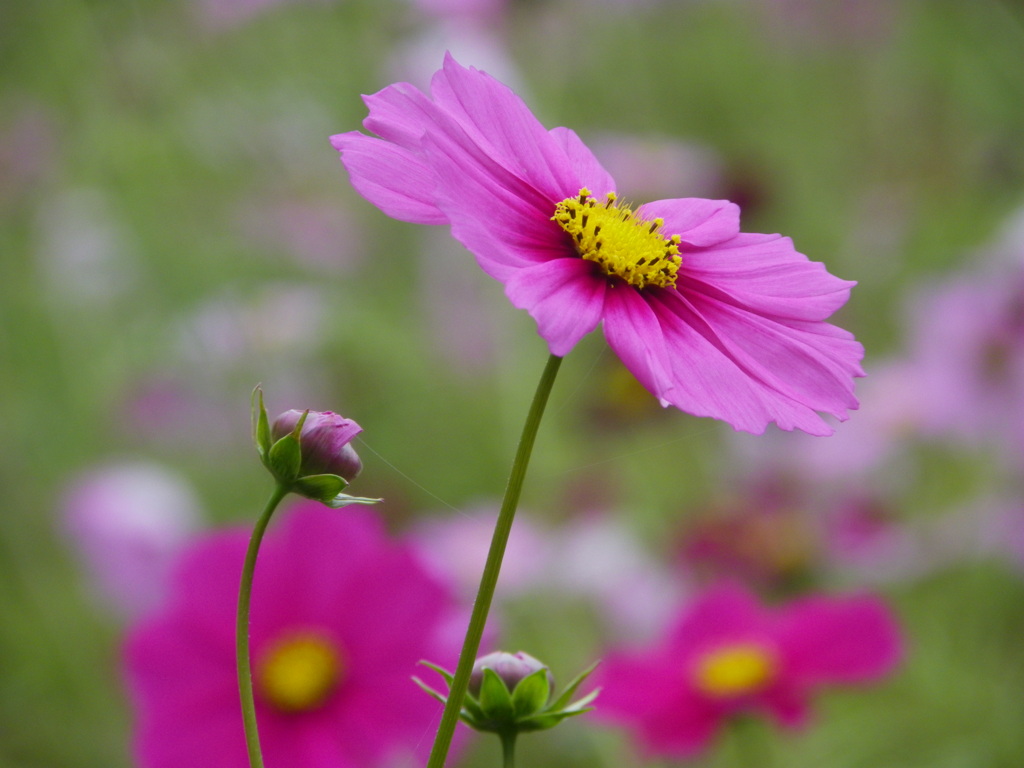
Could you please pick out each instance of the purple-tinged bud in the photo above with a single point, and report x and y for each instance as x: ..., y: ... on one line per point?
x: 511, y: 668
x: 324, y: 442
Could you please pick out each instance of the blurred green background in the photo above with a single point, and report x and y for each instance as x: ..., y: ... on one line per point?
x: 177, y: 228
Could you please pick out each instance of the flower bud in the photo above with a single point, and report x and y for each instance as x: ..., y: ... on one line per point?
x: 511, y: 668
x: 324, y: 442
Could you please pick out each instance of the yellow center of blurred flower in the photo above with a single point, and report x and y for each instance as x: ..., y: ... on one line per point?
x: 299, y: 671
x: 623, y: 245
x: 735, y: 670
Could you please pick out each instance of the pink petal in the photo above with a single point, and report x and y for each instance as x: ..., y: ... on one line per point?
x: 839, y: 640
x: 400, y: 114
x: 765, y: 274
x: 791, y: 358
x: 392, y: 178
x: 721, y: 376
x: 585, y: 165
x: 564, y: 296
x: 634, y: 332
x: 499, y: 122
x: 697, y: 221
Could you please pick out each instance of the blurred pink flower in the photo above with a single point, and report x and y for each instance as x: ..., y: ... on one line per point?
x: 728, y: 655
x: 892, y: 410
x: 660, y: 166
x: 454, y: 547
x: 967, y: 349
x: 598, y: 558
x: 128, y: 523
x: 340, y: 617
x: 712, y: 321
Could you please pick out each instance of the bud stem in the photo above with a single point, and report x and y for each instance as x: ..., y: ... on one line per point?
x: 252, y: 738
x: 508, y: 749
x: 489, y: 579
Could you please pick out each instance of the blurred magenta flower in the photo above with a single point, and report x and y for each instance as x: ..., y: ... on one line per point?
x: 128, y: 522
x: 730, y: 655
x: 340, y: 617
x: 710, y: 320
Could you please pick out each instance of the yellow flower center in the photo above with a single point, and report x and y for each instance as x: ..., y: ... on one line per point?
x: 735, y: 670
x: 623, y: 245
x: 299, y: 671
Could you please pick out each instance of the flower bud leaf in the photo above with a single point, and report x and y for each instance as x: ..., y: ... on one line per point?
x: 448, y: 676
x: 545, y: 720
x: 320, y: 487
x: 436, y: 694
x: 531, y: 693
x: 260, y: 423
x: 495, y: 700
x: 343, y: 500
x: 566, y: 696
x: 285, y: 458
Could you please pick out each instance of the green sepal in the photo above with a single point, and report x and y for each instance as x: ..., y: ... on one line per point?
x: 570, y: 690
x: 323, y: 488
x: 495, y: 700
x: 285, y: 459
x: 436, y: 694
x: 531, y: 693
x: 343, y: 500
x: 448, y: 676
x: 260, y: 423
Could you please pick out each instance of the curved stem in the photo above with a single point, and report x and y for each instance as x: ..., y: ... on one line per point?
x: 252, y: 738
x: 470, y: 646
x: 508, y: 749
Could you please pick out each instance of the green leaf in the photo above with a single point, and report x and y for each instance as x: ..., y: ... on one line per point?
x: 531, y: 693
x: 570, y: 689
x: 320, y: 487
x: 285, y: 459
x: 260, y: 423
x: 495, y: 700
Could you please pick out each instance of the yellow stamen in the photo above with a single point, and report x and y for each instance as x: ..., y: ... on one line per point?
x: 735, y: 670
x: 299, y: 671
x: 623, y: 245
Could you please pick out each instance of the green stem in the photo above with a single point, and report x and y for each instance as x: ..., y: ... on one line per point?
x: 508, y: 749
x: 252, y: 737
x: 471, y: 645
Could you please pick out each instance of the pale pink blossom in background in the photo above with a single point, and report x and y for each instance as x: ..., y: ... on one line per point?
x: 128, y: 522
x: 84, y: 252
x: 653, y: 166
x: 967, y: 348
x: 467, y: 38
x: 453, y: 545
x: 873, y: 442
x: 320, y: 235
x: 597, y: 558
x: 457, y: 308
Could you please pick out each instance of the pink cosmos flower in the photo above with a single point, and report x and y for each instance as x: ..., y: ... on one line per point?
x: 340, y: 617
x: 729, y: 655
x: 710, y: 320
